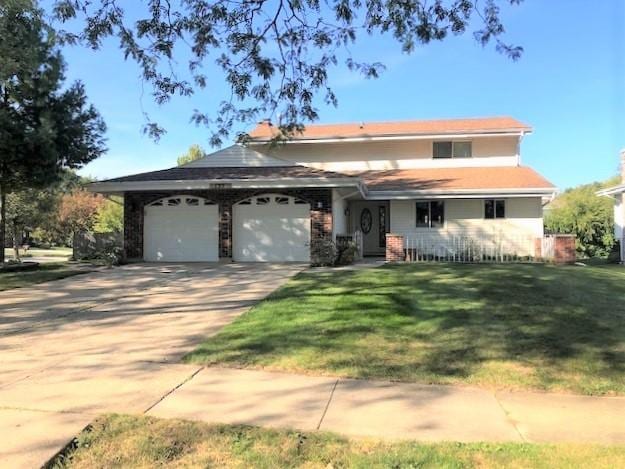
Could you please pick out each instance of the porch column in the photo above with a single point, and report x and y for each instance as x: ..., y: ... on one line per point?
x: 395, y: 248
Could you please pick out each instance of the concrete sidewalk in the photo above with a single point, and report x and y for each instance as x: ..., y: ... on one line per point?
x: 393, y: 410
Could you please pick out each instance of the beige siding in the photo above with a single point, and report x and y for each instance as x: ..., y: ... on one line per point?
x: 339, y: 219
x: 402, y: 154
x: 466, y: 216
x: 619, y: 216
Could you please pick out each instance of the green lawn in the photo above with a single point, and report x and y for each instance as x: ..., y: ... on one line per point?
x: 60, y: 252
x: 43, y: 273
x: 498, y: 326
x: 133, y: 441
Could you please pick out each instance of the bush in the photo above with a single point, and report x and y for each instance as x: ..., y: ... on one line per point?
x: 111, y: 255
x: 346, y: 253
x: 323, y: 253
x: 614, y: 257
x: 326, y: 253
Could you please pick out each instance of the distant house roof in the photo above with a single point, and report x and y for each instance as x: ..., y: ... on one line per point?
x: 615, y: 190
x: 266, y: 131
x: 447, y: 179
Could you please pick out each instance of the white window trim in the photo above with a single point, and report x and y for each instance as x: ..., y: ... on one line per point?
x: 453, y: 144
x: 430, y: 202
x: 495, y: 218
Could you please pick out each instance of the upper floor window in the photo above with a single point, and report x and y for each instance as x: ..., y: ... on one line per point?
x: 430, y: 214
x: 494, y: 208
x: 452, y: 150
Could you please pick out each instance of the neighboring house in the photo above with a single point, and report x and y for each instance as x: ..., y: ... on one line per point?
x: 269, y: 202
x: 618, y: 192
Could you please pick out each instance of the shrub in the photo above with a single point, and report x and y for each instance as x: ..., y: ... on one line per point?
x: 346, y: 253
x: 327, y: 253
x: 323, y: 253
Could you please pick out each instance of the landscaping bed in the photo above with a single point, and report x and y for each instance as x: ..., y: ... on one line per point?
x: 138, y: 441
x: 529, y: 327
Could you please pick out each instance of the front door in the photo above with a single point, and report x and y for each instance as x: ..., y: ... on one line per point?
x: 372, y: 219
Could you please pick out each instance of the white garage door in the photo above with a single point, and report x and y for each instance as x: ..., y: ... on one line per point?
x: 271, y: 228
x: 181, y: 228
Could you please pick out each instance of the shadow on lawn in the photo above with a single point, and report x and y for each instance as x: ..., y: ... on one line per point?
x: 434, y: 321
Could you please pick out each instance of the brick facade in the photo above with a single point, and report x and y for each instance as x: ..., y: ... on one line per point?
x: 395, y: 248
x: 320, y: 201
x: 564, y: 249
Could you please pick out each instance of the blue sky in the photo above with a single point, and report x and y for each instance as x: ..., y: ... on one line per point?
x: 569, y: 85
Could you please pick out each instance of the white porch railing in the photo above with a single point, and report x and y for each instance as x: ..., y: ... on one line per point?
x: 468, y: 248
x: 355, y: 237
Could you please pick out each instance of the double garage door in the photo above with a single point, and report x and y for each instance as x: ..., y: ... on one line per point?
x: 265, y: 228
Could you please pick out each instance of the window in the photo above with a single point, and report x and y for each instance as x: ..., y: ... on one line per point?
x: 262, y: 200
x: 430, y: 214
x: 382, y: 226
x: 442, y: 149
x: 282, y: 200
x: 452, y: 150
x: 494, y: 209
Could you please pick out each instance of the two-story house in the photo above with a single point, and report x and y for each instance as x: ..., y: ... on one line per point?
x: 264, y: 201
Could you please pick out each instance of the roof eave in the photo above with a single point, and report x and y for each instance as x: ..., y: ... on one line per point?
x: 390, y: 137
x: 105, y: 187
x: 461, y: 193
x: 610, y: 191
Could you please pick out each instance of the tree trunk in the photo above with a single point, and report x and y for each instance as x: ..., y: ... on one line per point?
x: 17, y: 239
x: 3, y: 217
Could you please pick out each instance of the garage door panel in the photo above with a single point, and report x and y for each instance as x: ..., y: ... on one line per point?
x: 271, y: 232
x: 182, y: 233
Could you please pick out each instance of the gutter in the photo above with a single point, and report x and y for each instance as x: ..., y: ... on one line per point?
x: 461, y: 193
x: 198, y: 184
x: 611, y: 191
x: 466, y: 135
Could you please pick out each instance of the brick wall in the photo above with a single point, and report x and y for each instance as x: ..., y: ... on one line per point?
x: 320, y: 201
x: 564, y: 249
x: 395, y: 248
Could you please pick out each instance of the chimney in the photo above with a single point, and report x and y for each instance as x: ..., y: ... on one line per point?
x: 623, y: 165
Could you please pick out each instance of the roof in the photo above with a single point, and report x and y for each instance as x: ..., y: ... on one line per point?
x: 448, y: 179
x: 238, y: 156
x: 189, y: 173
x: 620, y: 189
x: 265, y: 130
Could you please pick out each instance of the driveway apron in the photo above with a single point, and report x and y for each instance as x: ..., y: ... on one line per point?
x: 109, y: 341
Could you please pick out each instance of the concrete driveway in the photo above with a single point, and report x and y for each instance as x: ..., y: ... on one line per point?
x: 109, y: 341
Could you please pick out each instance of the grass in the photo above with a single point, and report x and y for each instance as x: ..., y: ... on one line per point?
x: 138, y: 441
x: 529, y: 327
x: 61, y: 252
x: 43, y: 273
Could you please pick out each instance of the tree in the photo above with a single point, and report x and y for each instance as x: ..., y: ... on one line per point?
x: 110, y: 216
x: 590, y: 218
x: 34, y: 210
x: 276, y: 57
x: 78, y: 212
x: 26, y: 210
x: 195, y: 152
x: 46, y: 126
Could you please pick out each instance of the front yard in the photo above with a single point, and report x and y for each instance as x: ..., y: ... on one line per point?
x: 43, y: 273
x: 497, y: 326
x: 132, y: 441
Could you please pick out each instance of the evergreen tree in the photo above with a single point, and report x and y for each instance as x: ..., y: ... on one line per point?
x: 45, y: 127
